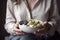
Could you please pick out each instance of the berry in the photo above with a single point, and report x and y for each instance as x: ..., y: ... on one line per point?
x: 21, y: 22
x: 25, y: 22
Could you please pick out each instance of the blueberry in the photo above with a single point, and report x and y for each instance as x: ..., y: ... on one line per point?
x: 25, y: 22
x: 21, y: 22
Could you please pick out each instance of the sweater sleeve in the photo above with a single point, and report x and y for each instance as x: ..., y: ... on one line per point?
x: 10, y: 20
x: 54, y: 12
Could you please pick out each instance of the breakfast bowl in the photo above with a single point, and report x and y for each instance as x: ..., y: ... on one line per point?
x: 29, y: 26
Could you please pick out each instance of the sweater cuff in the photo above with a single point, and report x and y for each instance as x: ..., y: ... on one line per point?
x: 9, y: 28
x: 52, y: 22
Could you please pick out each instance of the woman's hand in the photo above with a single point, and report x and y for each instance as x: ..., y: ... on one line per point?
x: 17, y: 30
x: 45, y: 27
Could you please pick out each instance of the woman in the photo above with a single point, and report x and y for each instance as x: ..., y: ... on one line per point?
x: 44, y: 10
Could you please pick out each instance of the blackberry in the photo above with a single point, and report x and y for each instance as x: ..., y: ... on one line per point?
x: 23, y: 22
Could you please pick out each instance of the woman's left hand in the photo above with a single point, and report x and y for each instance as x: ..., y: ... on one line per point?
x: 45, y: 27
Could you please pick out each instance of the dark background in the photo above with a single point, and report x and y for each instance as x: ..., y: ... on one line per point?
x: 3, y: 33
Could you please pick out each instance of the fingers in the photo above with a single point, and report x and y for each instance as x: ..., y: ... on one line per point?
x: 17, y: 30
x: 44, y: 25
x: 17, y: 25
x: 45, y: 22
x: 39, y: 31
x: 34, y: 32
x: 19, y: 33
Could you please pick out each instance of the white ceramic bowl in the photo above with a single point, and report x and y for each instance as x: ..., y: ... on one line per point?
x: 27, y: 29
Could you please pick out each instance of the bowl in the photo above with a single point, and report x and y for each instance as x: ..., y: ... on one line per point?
x: 29, y: 29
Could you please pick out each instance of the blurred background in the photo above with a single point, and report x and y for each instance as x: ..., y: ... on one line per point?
x: 3, y: 33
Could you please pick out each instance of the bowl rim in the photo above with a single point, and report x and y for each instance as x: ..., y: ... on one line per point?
x: 33, y: 27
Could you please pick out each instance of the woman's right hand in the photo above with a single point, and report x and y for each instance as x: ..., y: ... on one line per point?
x: 17, y: 30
